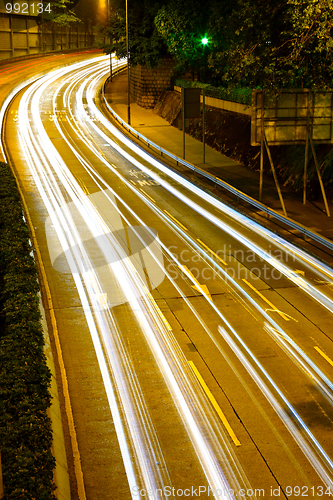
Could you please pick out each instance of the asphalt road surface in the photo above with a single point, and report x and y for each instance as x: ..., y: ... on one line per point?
x: 197, y: 344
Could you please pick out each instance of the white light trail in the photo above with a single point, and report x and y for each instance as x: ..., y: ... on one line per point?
x: 316, y: 455
x: 247, y: 297
x: 322, y: 269
x: 301, y: 282
x: 52, y: 177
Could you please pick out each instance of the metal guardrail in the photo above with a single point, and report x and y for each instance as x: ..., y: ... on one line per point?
x: 239, y: 194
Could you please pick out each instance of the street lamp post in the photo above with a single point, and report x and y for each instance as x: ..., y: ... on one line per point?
x: 128, y: 73
x: 205, y: 42
x: 110, y: 42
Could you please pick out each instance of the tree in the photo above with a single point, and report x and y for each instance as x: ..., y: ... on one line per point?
x: 253, y: 30
x: 61, y: 13
x: 309, y: 41
x: 183, y: 24
x: 278, y: 44
x: 145, y: 44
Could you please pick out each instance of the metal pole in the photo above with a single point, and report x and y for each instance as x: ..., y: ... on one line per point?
x: 203, y: 126
x: 1, y: 481
x: 305, y: 177
x: 261, y: 165
x: 275, y: 177
x: 261, y: 148
x: 319, y: 177
x: 128, y: 73
x: 316, y: 162
x: 183, y: 116
x: 12, y: 35
x: 28, y: 38
x: 110, y: 43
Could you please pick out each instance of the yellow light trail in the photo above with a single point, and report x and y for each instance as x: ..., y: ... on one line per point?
x: 53, y: 179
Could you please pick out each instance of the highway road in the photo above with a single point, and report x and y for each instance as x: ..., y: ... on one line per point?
x: 197, y: 343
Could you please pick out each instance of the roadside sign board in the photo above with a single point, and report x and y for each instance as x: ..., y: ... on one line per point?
x: 191, y: 102
x: 287, y: 118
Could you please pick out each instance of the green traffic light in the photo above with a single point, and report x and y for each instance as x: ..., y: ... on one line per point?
x: 204, y: 41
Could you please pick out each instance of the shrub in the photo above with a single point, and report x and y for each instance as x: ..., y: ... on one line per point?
x: 25, y: 428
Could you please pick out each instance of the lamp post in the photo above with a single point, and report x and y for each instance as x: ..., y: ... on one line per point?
x: 128, y: 73
x: 110, y: 42
x: 204, y: 42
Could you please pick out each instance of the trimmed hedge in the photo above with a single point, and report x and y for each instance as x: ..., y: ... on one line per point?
x: 241, y: 95
x: 25, y: 428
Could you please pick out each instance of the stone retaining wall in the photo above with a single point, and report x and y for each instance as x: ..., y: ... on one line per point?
x: 146, y: 84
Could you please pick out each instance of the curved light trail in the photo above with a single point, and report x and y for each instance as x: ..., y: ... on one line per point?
x: 77, y: 219
x: 142, y: 473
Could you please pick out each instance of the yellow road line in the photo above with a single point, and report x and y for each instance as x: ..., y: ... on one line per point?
x: 215, y: 404
x: 64, y: 381
x: 284, y: 316
x: 146, y: 194
x: 215, y: 254
x: 174, y: 218
x: 324, y: 355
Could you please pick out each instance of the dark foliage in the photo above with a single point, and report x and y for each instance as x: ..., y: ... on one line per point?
x: 146, y: 46
x: 25, y: 428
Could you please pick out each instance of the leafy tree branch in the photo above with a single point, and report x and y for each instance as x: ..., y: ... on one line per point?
x: 61, y: 13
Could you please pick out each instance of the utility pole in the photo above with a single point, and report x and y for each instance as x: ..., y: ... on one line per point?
x: 110, y: 42
x: 1, y: 481
x: 128, y: 73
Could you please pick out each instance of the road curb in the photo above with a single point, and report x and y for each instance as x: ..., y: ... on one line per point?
x: 59, y: 446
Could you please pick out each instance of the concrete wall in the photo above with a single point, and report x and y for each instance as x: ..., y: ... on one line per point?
x: 146, y: 84
x: 234, y: 107
x: 23, y: 32
x: 25, y: 35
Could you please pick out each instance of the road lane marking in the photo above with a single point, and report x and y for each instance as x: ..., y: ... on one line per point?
x: 280, y: 312
x: 146, y: 194
x: 200, y: 288
x: 174, y: 218
x: 215, y: 404
x: 215, y: 254
x: 284, y: 316
x: 324, y: 355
